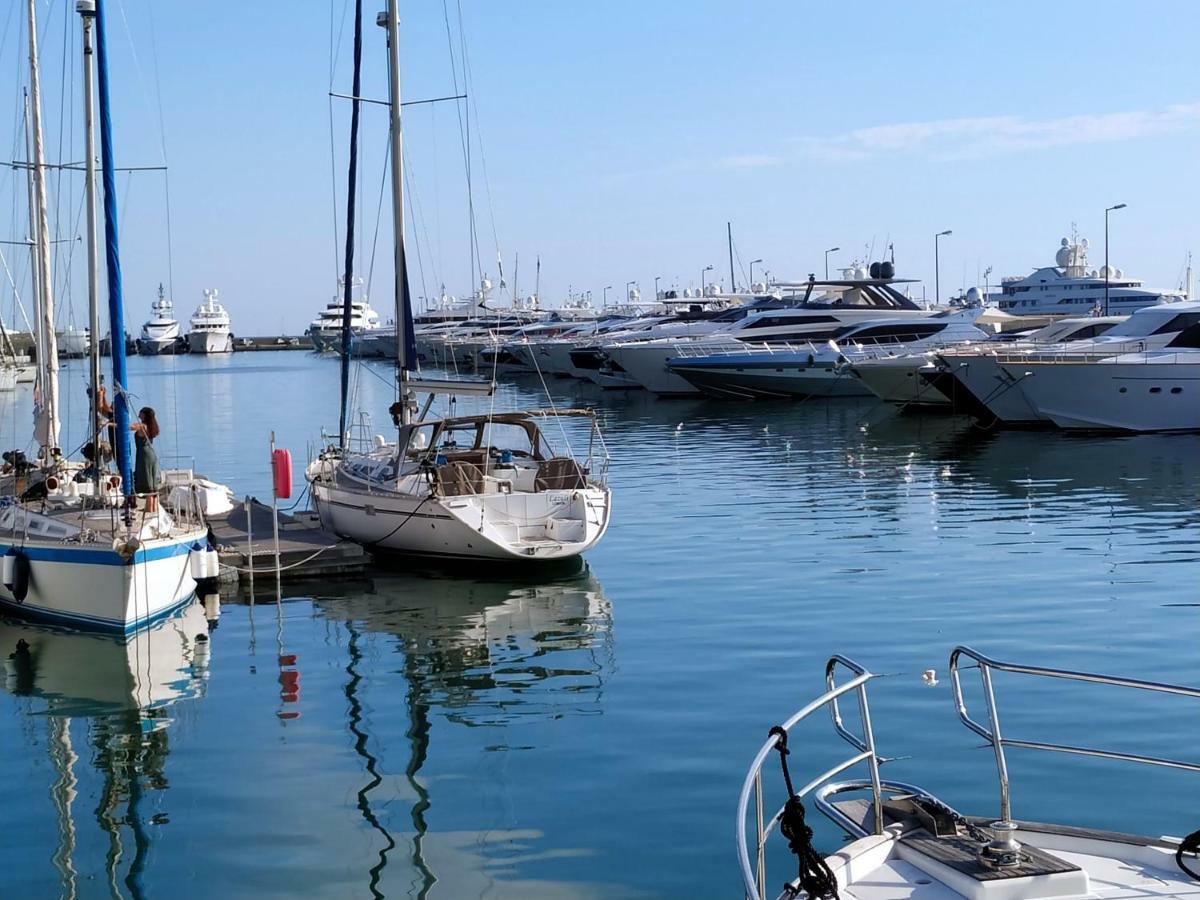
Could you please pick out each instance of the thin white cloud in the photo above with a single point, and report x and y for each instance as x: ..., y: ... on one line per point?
x: 995, y: 135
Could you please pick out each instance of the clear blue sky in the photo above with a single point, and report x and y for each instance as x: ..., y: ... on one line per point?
x: 620, y: 137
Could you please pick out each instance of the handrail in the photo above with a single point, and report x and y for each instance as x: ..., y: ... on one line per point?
x: 754, y: 877
x: 991, y: 733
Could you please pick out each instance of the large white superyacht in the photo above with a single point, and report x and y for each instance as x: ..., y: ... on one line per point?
x: 1070, y: 288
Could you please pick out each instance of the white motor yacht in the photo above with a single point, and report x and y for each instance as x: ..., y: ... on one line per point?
x: 980, y: 381
x: 325, y: 331
x: 160, y: 333
x: 210, y: 332
x: 906, y: 842
x: 822, y: 369
x: 1070, y: 288
x: 74, y: 343
x: 1157, y: 390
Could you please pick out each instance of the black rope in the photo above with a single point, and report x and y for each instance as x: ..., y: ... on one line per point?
x: 814, y: 876
x: 1190, y: 844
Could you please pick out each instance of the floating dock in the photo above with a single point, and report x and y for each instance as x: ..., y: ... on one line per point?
x: 305, y: 549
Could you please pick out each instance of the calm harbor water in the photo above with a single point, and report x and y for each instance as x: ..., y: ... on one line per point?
x: 585, y: 734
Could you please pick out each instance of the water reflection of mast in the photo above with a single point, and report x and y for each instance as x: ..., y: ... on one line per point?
x: 62, y: 792
x: 418, y: 734
x: 372, y: 764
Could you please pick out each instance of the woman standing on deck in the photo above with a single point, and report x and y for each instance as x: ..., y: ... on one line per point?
x: 145, y: 468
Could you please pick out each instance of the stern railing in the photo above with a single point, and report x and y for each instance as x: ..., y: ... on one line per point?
x: 995, y: 738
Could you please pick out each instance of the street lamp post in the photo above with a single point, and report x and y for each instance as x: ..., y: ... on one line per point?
x: 1107, y: 271
x: 752, y: 264
x: 604, y: 300
x: 656, y: 279
x: 703, y: 271
x: 937, y: 268
x: 628, y: 285
x: 827, y: 252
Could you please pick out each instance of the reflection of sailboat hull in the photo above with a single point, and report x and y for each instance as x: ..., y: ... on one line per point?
x: 93, y: 673
x: 96, y: 588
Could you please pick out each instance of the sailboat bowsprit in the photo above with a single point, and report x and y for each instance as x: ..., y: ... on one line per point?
x: 484, y: 487
x: 76, y: 547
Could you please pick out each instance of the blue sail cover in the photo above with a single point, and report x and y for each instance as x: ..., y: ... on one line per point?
x: 116, y: 312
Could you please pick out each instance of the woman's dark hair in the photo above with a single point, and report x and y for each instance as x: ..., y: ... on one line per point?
x: 146, y: 417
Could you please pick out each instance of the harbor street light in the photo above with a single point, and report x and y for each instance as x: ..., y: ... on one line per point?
x: 752, y: 264
x: 937, y: 269
x: 703, y: 272
x: 1107, y: 270
x: 656, y: 280
x: 628, y: 285
x: 827, y: 252
x: 604, y: 301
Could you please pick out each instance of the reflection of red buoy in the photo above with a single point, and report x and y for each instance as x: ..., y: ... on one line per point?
x: 290, y: 680
x: 281, y: 470
x: 288, y: 659
x: 290, y: 714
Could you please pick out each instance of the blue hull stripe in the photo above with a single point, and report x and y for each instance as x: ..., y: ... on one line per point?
x: 85, y: 557
x: 90, y: 623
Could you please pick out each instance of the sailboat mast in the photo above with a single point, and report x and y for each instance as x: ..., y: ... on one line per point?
x: 35, y: 258
x: 405, y: 344
x: 48, y: 418
x: 732, y: 279
x: 352, y: 179
x: 87, y: 12
x: 112, y: 256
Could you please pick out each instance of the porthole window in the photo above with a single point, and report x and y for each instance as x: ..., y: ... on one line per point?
x: 1122, y: 390
x: 1156, y: 390
x: 1176, y: 390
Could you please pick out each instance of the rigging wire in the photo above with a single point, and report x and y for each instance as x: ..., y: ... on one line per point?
x: 464, y: 140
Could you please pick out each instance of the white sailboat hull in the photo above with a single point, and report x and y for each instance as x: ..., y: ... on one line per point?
x: 92, y: 586
x: 501, y: 527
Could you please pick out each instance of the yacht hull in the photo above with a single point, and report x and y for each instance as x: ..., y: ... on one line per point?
x: 1106, y: 396
x: 899, y: 381
x: 94, y: 588
x: 647, y: 365
x: 159, y: 346
x: 980, y: 387
x: 498, y: 527
x: 768, y: 380
x: 210, y: 342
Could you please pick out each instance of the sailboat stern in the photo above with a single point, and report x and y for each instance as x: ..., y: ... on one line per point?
x: 536, y: 526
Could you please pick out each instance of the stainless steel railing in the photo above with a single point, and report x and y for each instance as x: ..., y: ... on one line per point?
x: 754, y: 876
x: 993, y: 735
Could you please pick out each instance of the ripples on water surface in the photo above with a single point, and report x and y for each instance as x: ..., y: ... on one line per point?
x: 586, y: 734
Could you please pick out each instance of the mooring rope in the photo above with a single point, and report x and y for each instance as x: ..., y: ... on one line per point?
x: 814, y: 877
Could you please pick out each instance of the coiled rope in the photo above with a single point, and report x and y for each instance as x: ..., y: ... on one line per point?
x: 814, y: 877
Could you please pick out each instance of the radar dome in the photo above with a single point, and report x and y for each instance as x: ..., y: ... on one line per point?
x: 860, y: 272
x: 1084, y: 244
x: 1065, y: 243
x: 1063, y: 256
x: 1120, y: 273
x: 974, y: 298
x: 887, y: 269
x: 635, y: 295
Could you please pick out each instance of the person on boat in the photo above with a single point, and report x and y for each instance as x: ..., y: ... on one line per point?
x: 91, y: 470
x: 145, y: 465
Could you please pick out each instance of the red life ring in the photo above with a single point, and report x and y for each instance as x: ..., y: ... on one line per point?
x: 281, y: 471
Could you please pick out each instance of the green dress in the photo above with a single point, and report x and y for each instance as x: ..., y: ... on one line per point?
x: 145, y: 466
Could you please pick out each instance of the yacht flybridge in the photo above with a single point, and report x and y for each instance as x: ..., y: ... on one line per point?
x: 906, y: 842
x: 483, y: 487
x: 1070, y: 288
